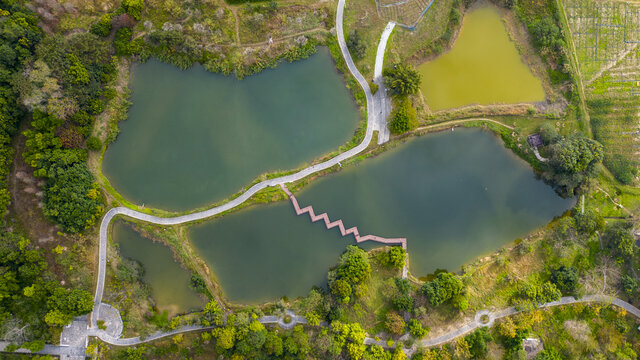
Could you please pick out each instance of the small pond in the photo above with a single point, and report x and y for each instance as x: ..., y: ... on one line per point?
x: 453, y: 195
x: 483, y: 67
x: 168, y: 280
x: 193, y: 137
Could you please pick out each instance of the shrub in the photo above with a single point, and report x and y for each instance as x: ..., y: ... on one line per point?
x: 394, y: 258
x: 94, y: 143
x: 402, y: 79
x: 589, y: 222
x: 619, y: 238
x: 442, y: 289
x: 404, y: 118
x: 416, y: 330
x: 133, y: 8
x: 103, y: 26
x: 394, y: 323
x: 565, y: 278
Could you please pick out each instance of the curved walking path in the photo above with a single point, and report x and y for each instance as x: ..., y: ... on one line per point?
x: 373, y: 118
x: 495, y: 315
x: 476, y: 323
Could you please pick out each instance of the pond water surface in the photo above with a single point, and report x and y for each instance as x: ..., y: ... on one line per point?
x: 483, y: 67
x: 453, y: 195
x: 168, y: 280
x: 193, y: 137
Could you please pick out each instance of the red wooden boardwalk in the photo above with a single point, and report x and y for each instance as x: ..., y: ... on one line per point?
x: 331, y: 224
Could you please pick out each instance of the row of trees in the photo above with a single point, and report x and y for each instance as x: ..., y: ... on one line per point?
x: 19, y: 34
x: 403, y: 81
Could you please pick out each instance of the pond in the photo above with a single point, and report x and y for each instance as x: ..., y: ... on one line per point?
x: 454, y: 196
x: 168, y: 280
x: 483, y: 67
x: 193, y: 137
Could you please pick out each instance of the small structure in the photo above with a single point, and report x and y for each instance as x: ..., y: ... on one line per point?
x: 532, y: 346
x: 535, y: 140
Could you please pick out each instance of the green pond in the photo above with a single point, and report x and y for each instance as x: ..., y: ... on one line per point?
x: 483, y: 67
x: 193, y: 137
x: 168, y: 280
x: 453, y: 195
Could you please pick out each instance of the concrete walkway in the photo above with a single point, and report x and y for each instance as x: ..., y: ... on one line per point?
x: 373, y: 118
x: 381, y: 97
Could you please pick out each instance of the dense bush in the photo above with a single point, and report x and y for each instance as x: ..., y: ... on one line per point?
x: 546, y: 33
x: 619, y: 238
x: 565, y: 278
x: 394, y: 258
x: 589, y: 222
x: 19, y: 34
x: 572, y: 162
x: 72, y: 198
x: 443, y: 288
x: 25, y: 286
x: 402, y: 79
x: 404, y: 117
x: 531, y: 295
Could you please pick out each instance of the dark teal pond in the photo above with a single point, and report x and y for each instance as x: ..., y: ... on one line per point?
x: 193, y: 137
x: 454, y: 196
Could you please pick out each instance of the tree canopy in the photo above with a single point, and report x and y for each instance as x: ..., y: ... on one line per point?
x: 402, y: 79
x: 443, y: 288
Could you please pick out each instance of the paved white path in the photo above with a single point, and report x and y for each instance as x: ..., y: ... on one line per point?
x: 381, y: 98
x: 373, y: 118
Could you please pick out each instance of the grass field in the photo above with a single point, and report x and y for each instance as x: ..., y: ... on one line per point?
x: 607, y: 39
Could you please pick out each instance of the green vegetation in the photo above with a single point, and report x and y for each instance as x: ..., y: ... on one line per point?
x: 19, y: 35
x: 26, y: 285
x: 573, y: 161
x: 403, y: 80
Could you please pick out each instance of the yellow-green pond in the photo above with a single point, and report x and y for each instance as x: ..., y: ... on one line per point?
x: 483, y: 67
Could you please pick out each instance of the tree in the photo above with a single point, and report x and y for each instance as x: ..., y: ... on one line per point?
x: 443, y: 288
x: 565, y: 278
x: 548, y: 133
x: 398, y: 354
x: 341, y: 288
x: 404, y: 118
x: 416, y: 330
x: 273, y: 344
x: 353, y: 265
x: 103, y: 26
x: 629, y: 285
x: 394, y: 258
x: 546, y: 33
x: 71, y: 198
x: 572, y: 162
x: 94, y: 143
x: 133, y: 8
x: 403, y: 303
x: 477, y: 341
x: 589, y: 222
x: 376, y: 352
x: 225, y: 337
x: 619, y: 238
x: 402, y: 79
x: 395, y: 323
x: 77, y: 71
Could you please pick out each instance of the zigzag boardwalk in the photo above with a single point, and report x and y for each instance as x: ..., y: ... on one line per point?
x: 330, y: 225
